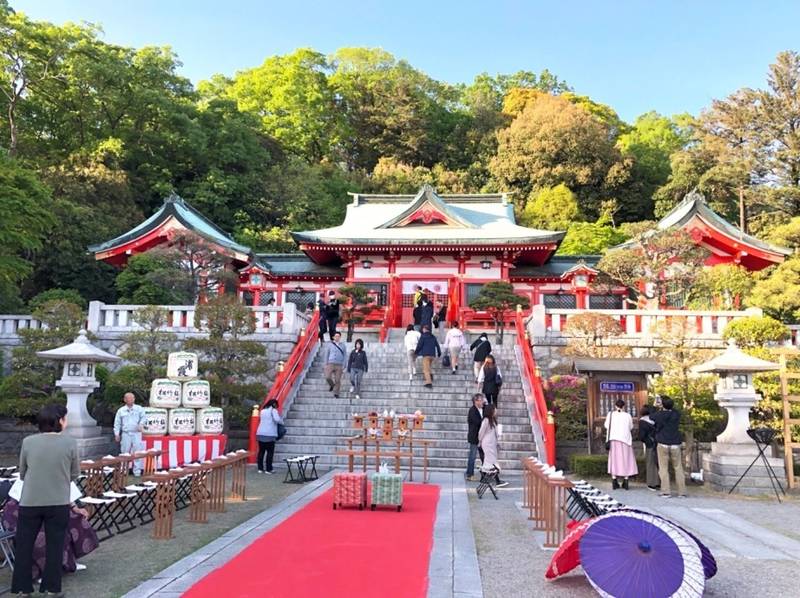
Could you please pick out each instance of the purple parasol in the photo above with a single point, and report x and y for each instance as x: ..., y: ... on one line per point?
x: 706, y: 558
x: 630, y: 555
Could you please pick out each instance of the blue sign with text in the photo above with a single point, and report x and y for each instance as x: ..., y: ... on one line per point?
x: 616, y: 387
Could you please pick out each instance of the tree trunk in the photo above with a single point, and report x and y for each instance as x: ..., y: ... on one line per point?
x: 742, y: 211
x: 12, y: 127
x: 350, y: 330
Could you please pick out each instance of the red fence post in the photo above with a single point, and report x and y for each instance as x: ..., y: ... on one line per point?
x: 550, y: 439
x: 252, y: 445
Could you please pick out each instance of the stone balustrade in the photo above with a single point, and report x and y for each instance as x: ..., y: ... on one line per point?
x: 121, y: 319
x: 11, y: 325
x: 544, y: 323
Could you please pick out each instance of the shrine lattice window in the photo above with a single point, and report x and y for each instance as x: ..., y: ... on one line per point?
x: 605, y: 301
x: 554, y: 301
x: 302, y: 299
x: 264, y: 297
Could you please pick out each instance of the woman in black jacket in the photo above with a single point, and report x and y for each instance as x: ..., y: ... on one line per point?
x: 490, y: 380
x: 647, y: 434
x: 357, y: 366
x: 482, y: 348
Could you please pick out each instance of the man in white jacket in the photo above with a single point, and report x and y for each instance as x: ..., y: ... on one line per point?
x: 410, y: 342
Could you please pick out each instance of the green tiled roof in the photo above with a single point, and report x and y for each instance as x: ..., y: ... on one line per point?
x: 193, y: 220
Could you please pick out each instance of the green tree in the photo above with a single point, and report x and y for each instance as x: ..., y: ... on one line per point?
x: 588, y: 334
x: 590, y: 238
x: 498, y: 299
x: 68, y: 295
x: 152, y: 278
x: 31, y: 382
x: 724, y: 286
x: 149, y: 346
x: 756, y: 331
x: 356, y: 303
x: 551, y: 208
x: 552, y: 141
x: 232, y: 364
x: 778, y: 294
x: 25, y: 222
x: 293, y: 99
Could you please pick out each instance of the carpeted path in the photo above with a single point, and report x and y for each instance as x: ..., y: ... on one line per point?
x: 341, y: 553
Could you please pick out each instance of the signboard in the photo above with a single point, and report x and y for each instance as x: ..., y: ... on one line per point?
x: 627, y: 387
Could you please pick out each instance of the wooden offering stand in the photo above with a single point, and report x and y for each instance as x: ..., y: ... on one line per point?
x: 164, y: 502
x: 377, y: 434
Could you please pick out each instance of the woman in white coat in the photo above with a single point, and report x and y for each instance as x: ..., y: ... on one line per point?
x: 454, y: 342
x: 487, y: 438
x: 621, y: 460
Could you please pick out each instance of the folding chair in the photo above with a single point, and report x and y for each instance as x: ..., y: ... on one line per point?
x: 577, y: 507
x: 101, y: 515
x: 124, y: 510
x: 487, y: 482
x: 7, y: 546
x: 142, y: 505
x: 183, y: 491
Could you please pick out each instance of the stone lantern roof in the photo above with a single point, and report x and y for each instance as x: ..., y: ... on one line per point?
x: 79, y: 350
x: 733, y: 359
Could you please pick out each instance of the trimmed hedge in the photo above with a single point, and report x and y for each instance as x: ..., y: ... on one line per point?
x: 596, y: 466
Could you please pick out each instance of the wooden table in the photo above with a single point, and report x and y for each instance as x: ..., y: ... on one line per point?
x: 398, y: 448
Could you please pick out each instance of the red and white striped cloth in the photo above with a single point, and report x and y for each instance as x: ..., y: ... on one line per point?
x: 180, y: 450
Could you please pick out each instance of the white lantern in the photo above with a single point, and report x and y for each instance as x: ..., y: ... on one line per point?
x: 155, y: 421
x: 165, y: 393
x: 181, y: 421
x: 182, y: 366
x: 196, y: 393
x: 209, y: 420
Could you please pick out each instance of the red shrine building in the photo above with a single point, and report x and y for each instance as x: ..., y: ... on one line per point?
x: 450, y: 245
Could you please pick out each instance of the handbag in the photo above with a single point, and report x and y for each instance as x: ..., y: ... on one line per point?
x: 608, y: 431
x: 281, y: 431
x: 446, y: 360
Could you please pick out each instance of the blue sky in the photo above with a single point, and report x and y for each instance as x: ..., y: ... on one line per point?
x: 636, y: 56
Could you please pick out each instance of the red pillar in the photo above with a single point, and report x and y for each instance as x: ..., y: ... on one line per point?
x: 252, y: 444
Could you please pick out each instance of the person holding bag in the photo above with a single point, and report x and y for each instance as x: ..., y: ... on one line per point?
x: 269, y: 431
x: 490, y: 380
x: 647, y: 434
x: 454, y: 342
x: 619, y: 443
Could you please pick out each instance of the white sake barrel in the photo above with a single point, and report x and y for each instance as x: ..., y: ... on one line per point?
x: 196, y: 393
x: 165, y: 393
x: 181, y: 421
x: 209, y: 420
x: 182, y: 366
x: 155, y: 421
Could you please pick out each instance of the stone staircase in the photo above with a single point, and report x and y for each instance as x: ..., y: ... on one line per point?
x: 317, y: 422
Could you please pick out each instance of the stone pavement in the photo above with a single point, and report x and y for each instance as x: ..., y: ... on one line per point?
x: 755, y: 542
x: 453, y: 569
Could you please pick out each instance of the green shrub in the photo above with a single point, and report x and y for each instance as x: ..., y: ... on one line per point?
x: 26, y: 409
x: 566, y: 398
x: 707, y: 418
x: 756, y: 331
x: 68, y: 295
x: 596, y: 466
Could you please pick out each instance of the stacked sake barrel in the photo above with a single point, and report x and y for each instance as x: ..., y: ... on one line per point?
x: 180, y: 404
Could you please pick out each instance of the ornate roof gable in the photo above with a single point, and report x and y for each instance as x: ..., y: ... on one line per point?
x: 427, y: 208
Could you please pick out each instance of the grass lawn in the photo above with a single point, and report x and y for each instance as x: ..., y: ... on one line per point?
x: 124, y: 561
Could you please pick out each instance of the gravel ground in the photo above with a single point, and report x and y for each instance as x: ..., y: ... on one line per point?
x: 124, y: 561
x: 513, y: 564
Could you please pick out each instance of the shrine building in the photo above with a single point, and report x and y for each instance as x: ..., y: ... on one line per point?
x: 450, y: 245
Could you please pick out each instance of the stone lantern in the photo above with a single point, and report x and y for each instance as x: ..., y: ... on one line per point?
x: 734, y: 450
x: 78, y: 381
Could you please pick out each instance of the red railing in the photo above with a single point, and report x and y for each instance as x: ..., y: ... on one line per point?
x: 287, y: 375
x: 531, y: 373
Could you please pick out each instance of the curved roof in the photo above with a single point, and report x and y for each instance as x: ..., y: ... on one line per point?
x: 486, y: 219
x: 176, y: 208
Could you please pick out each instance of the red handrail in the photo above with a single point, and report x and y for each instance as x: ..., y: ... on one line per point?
x: 531, y: 374
x: 286, y: 377
x: 293, y: 367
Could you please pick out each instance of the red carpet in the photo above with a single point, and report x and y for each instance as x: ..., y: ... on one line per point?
x: 347, y: 553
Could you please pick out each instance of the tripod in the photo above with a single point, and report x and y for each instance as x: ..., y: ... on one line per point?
x: 762, y: 437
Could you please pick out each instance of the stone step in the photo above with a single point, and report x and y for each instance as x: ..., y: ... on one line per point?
x: 437, y: 452
x: 308, y: 406
x: 343, y: 420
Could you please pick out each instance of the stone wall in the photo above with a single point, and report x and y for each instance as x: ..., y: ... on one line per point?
x: 11, y: 435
